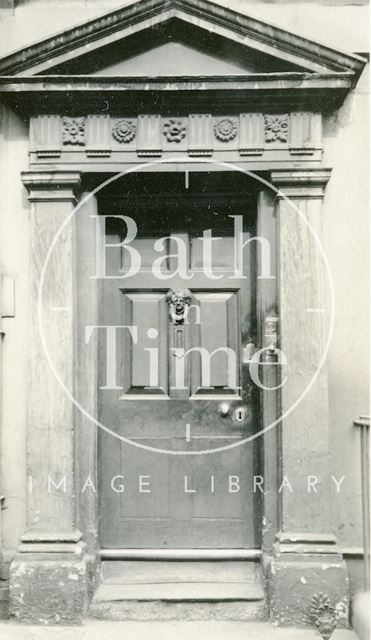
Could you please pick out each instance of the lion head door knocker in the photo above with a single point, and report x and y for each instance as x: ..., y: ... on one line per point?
x: 178, y: 301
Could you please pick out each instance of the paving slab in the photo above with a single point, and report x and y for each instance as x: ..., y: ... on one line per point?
x: 96, y: 630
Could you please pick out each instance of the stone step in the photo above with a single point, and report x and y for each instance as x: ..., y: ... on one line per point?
x: 197, y: 590
x: 159, y: 610
x: 177, y: 591
x: 181, y: 630
x: 149, y: 571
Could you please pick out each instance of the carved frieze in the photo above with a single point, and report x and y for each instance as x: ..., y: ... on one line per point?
x: 73, y: 131
x: 174, y: 130
x: 200, y: 134
x: 225, y: 129
x: 97, y: 136
x: 149, y: 143
x: 197, y: 135
x: 124, y: 130
x: 305, y: 133
x: 251, y: 134
x: 276, y: 128
x: 47, y: 137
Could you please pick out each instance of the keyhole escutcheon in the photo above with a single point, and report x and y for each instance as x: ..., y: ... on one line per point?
x: 240, y: 414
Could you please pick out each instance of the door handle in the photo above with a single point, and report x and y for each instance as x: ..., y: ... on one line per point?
x: 248, y: 352
x: 239, y: 414
x: 224, y: 409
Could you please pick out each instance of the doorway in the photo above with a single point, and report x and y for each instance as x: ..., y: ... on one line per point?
x: 174, y: 372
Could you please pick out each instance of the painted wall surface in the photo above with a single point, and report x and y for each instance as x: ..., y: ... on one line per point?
x: 345, y: 221
x: 14, y: 261
x: 338, y: 23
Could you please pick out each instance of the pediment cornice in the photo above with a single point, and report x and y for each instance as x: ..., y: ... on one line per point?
x: 246, y: 32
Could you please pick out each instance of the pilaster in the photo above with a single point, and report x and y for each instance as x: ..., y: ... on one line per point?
x: 48, y: 576
x: 306, y: 559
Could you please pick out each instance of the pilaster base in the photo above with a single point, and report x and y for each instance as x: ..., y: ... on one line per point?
x: 48, y: 581
x: 308, y: 582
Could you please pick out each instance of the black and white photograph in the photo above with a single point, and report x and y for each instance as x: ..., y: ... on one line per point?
x: 184, y: 320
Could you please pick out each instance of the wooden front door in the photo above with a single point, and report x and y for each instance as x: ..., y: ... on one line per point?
x: 180, y: 378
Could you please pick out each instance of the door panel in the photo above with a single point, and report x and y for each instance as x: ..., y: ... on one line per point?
x: 146, y: 310
x: 215, y: 336
x: 206, y: 515
x: 154, y: 499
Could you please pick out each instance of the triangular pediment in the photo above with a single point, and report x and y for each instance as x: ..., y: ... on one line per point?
x: 175, y: 58
x: 160, y: 38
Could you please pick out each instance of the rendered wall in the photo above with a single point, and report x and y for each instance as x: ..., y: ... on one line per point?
x: 346, y: 220
x: 338, y: 23
x: 14, y: 221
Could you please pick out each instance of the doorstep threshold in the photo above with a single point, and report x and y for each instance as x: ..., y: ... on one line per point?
x: 180, y: 554
x: 178, y: 592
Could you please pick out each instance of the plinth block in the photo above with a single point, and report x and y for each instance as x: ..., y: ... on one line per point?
x: 308, y: 583
x: 48, y: 582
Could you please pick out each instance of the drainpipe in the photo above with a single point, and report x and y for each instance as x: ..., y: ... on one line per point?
x: 363, y: 423
x: 1, y: 405
x: 7, y: 310
x: 361, y: 604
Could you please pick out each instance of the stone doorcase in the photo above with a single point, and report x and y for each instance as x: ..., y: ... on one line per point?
x: 262, y: 114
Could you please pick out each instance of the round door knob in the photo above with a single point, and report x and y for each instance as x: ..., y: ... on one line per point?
x: 224, y: 409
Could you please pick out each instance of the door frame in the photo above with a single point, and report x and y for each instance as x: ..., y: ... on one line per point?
x: 87, y: 449
x: 243, y: 195
x: 287, y: 542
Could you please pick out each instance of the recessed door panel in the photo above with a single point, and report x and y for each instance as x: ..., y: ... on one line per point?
x: 146, y: 312
x: 216, y: 334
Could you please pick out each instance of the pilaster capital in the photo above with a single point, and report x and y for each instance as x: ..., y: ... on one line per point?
x: 52, y: 186
x: 301, y: 183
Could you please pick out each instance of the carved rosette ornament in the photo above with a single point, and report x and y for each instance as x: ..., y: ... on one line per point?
x: 276, y: 128
x: 174, y: 130
x: 73, y: 131
x: 178, y: 301
x: 322, y: 614
x: 225, y: 129
x: 124, y: 130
